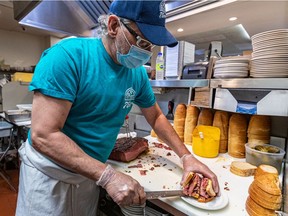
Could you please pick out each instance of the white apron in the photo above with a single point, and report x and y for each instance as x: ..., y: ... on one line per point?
x: 47, y: 189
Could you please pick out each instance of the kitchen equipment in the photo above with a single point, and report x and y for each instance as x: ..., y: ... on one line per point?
x: 27, y: 107
x: 215, y: 49
x: 256, y: 157
x: 170, y: 115
x: 196, y: 70
x: 6, y: 131
x: 176, y: 57
x: 79, y: 17
x: 251, y: 101
x: 14, y: 93
x: 17, y: 115
x: 160, y: 194
x: 206, y: 141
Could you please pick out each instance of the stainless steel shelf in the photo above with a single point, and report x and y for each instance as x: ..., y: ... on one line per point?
x: 180, y: 83
x: 259, y: 83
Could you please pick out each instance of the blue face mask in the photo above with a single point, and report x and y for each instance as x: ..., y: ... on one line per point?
x: 134, y: 58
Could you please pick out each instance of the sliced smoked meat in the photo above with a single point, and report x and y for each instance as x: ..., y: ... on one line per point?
x: 127, y: 149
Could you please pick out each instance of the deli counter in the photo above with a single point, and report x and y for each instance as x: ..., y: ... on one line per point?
x: 163, y: 171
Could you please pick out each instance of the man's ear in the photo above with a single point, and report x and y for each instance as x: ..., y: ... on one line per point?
x: 113, y: 25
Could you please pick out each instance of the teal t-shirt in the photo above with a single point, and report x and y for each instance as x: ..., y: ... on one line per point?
x: 80, y: 70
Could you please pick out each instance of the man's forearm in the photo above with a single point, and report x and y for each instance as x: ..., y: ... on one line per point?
x: 166, y: 132
x: 65, y: 152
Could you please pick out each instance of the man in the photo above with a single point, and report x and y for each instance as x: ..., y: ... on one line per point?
x: 83, y: 89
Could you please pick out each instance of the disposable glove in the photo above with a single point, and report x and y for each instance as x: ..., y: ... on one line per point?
x: 123, y: 189
x: 191, y: 164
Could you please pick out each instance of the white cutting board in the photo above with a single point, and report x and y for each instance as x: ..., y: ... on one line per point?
x: 236, y: 187
x: 164, y: 170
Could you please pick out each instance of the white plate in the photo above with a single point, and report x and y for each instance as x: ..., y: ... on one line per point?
x: 276, y: 69
x: 267, y: 76
x: 235, y: 60
x: 265, y: 46
x: 271, y: 57
x: 230, y: 76
x: 231, y: 71
x: 217, y: 65
x: 271, y: 33
x: 275, y: 53
x: 278, y: 39
x: 231, y: 68
x: 217, y: 203
x: 283, y: 48
x: 269, y: 65
x: 270, y: 41
x: 271, y: 61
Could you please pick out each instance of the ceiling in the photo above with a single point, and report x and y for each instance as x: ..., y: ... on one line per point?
x: 202, y: 25
x: 205, y: 25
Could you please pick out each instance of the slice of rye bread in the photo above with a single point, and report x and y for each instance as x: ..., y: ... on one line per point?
x: 253, y: 209
x: 269, y: 183
x: 264, y: 195
x: 264, y: 201
x: 265, y: 169
x: 241, y: 168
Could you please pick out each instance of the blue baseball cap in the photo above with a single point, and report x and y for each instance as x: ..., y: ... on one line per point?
x: 149, y: 16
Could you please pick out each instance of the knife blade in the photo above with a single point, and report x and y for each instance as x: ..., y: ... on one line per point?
x: 160, y: 194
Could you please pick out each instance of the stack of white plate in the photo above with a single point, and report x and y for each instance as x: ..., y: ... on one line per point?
x: 133, y: 210
x: 270, y: 54
x: 232, y: 67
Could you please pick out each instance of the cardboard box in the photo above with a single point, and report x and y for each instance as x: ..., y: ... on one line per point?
x: 202, y: 97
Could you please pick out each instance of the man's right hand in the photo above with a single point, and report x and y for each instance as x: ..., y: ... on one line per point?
x: 123, y: 189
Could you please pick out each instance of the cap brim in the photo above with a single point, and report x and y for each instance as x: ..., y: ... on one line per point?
x: 158, y: 35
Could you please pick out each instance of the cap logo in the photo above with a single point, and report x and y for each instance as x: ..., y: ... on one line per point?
x: 162, y: 10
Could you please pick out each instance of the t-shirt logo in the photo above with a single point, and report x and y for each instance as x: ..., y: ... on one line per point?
x: 162, y: 10
x: 129, y: 97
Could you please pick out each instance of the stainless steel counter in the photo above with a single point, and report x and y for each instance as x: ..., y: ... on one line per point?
x: 258, y: 83
x: 189, y: 83
x: 254, y: 83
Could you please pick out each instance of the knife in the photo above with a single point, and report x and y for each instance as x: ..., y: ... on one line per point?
x: 161, y: 194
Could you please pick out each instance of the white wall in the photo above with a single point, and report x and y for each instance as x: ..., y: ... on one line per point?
x: 21, y: 49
